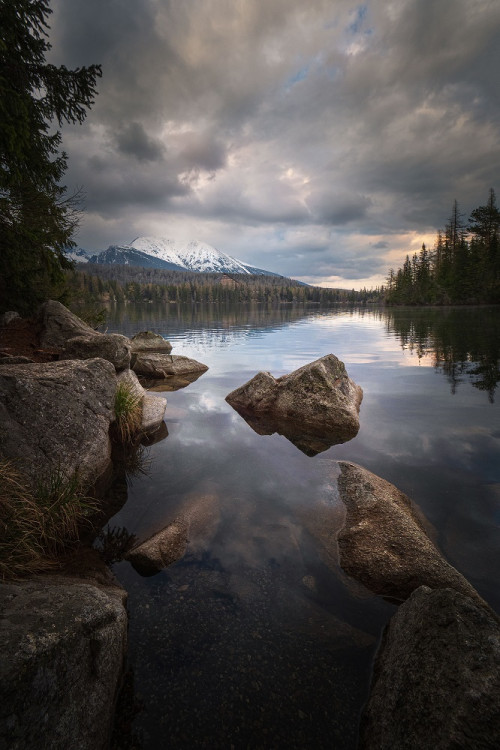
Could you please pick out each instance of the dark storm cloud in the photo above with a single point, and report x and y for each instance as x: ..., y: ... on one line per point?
x: 133, y: 140
x: 340, y: 128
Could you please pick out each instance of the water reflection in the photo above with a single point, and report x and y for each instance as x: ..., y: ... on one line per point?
x: 464, y: 344
x: 307, y: 441
x: 256, y: 637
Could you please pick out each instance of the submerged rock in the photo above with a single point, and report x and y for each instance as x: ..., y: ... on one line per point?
x: 384, y: 543
x: 62, y: 329
x: 63, y: 650
x: 436, y: 681
x: 196, y: 521
x: 56, y: 415
x: 318, y: 400
x: 147, y: 341
x: 160, y: 365
x: 160, y: 550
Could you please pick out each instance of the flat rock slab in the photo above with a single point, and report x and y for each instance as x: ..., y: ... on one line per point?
x: 56, y: 415
x: 158, y: 365
x: 147, y: 341
x: 63, y: 650
x: 436, y: 681
x: 319, y: 398
x: 384, y: 543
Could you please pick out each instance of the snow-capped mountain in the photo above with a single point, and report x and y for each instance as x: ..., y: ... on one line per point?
x: 78, y: 255
x: 154, y: 252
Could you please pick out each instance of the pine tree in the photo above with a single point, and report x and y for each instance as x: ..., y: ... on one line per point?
x: 37, y: 219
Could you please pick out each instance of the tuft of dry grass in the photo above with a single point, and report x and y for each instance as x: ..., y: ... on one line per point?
x: 128, y: 413
x: 38, y: 525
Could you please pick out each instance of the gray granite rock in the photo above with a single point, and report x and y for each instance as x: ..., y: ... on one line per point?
x: 147, y: 341
x: 63, y: 329
x: 59, y: 325
x: 317, y: 400
x: 113, y: 347
x: 62, y: 656
x: 153, y: 407
x: 56, y: 415
x: 384, y: 543
x: 160, y: 365
x: 436, y: 681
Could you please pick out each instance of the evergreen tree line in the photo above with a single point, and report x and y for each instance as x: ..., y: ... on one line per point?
x: 101, y: 283
x: 462, y: 268
x: 37, y: 216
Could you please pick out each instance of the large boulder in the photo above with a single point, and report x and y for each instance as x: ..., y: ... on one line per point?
x: 384, y: 543
x: 162, y: 365
x: 436, y: 681
x: 147, y: 341
x: 153, y: 407
x: 56, y: 415
x: 62, y: 329
x: 59, y: 324
x: 318, y: 400
x: 113, y: 347
x: 63, y: 651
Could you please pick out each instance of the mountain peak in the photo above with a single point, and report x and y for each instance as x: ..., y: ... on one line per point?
x: 162, y: 252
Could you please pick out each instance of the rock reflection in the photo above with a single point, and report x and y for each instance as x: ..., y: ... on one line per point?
x: 306, y: 440
x: 173, y: 383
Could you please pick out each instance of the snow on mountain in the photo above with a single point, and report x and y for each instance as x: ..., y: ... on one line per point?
x: 154, y: 252
x: 78, y: 254
x: 193, y: 255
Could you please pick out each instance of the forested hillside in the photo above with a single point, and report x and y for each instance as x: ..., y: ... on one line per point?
x: 462, y: 268
x: 102, y: 283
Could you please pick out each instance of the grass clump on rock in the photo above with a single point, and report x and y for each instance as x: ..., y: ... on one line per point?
x: 128, y: 413
x: 38, y: 525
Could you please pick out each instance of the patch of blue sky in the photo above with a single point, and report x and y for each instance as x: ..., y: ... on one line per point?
x: 297, y: 77
x: 360, y: 15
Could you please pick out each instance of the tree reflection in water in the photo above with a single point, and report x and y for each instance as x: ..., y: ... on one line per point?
x: 464, y: 343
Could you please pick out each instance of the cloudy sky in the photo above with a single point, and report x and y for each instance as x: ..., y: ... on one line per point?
x: 322, y: 140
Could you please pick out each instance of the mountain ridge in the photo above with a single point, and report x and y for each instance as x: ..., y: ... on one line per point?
x: 175, y: 255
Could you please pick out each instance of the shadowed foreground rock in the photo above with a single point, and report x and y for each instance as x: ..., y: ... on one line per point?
x: 436, y: 681
x: 63, y: 649
x: 384, y: 544
x: 160, y: 365
x: 64, y: 330
x: 319, y: 399
x: 56, y: 415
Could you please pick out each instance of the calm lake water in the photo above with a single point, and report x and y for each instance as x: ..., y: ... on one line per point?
x: 256, y: 638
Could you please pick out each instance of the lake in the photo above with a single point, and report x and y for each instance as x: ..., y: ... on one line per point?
x: 256, y: 638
